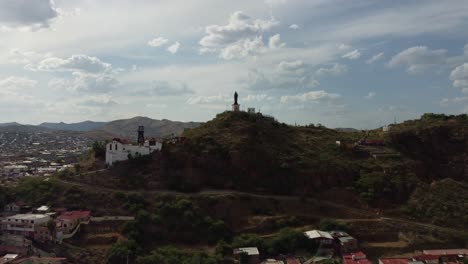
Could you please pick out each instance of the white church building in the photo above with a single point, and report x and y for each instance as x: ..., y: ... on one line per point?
x: 118, y: 150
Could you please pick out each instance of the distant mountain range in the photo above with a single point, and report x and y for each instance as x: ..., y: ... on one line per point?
x: 81, y: 126
x: 127, y: 128
x: 9, y: 124
x: 124, y: 128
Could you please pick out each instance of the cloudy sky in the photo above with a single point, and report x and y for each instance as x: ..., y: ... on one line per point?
x: 337, y: 62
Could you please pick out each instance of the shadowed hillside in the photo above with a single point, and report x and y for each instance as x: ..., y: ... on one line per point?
x: 255, y: 152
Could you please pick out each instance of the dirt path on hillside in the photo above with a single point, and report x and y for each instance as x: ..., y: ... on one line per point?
x: 355, y: 211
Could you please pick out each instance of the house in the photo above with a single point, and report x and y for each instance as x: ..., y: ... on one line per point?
x: 356, y: 258
x: 272, y: 261
x: 81, y: 216
x: 23, y: 224
x: 427, y: 259
x: 395, y: 260
x: 445, y: 252
x: 16, y: 208
x: 68, y: 221
x: 8, y: 258
x: 447, y: 255
x: 118, y: 150
x: 344, y: 242
x: 252, y: 254
x: 322, y: 237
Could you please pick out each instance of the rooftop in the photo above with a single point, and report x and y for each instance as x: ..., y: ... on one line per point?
x: 356, y: 258
x: 313, y: 234
x: 74, y: 214
x: 249, y: 250
x: 441, y: 252
x: 395, y: 260
x: 28, y: 216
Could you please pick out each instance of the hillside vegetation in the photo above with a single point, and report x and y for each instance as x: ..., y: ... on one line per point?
x: 255, y: 152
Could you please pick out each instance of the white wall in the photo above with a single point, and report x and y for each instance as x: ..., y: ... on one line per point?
x: 113, y: 155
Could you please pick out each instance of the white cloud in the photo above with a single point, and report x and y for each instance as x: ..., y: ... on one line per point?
x: 294, y: 26
x: 210, y: 99
x: 164, y: 88
x: 27, y: 15
x: 15, y: 83
x: 17, y: 56
x: 452, y: 101
x: 275, y: 2
x: 297, y: 67
x: 103, y: 100
x: 85, y: 82
x: 257, y: 98
x: 275, y: 42
x: 344, y: 47
x: 243, y: 48
x: 459, y: 76
x: 370, y: 95
x: 240, y: 37
x: 82, y: 63
x: 375, y: 58
x: 466, y: 50
x: 335, y: 69
x: 174, y: 47
x: 312, y: 96
x: 352, y: 55
x: 419, y: 59
x: 157, y: 42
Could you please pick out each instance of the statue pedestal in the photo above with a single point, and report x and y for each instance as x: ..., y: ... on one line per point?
x: 236, y: 107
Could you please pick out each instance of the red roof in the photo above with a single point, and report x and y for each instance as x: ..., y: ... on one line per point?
x: 395, y: 260
x: 356, y: 258
x: 426, y: 257
x: 442, y: 252
x: 74, y: 215
x: 123, y: 141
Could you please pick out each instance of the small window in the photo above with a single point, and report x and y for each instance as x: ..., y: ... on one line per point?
x: 115, y: 146
x: 110, y: 146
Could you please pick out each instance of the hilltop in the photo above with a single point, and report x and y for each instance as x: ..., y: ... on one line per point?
x: 256, y: 152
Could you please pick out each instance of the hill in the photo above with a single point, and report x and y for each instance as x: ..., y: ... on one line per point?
x: 126, y: 128
x: 81, y: 126
x: 23, y: 128
x: 438, y: 142
x: 10, y: 124
x: 255, y: 152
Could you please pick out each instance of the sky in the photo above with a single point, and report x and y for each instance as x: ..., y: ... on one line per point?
x: 339, y: 63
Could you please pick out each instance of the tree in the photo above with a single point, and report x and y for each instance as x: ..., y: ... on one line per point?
x: 287, y: 241
x: 121, y: 251
x: 51, y: 226
x: 330, y: 224
x: 99, y: 149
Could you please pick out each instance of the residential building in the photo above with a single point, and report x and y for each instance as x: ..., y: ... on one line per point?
x: 322, y: 237
x: 395, y: 260
x: 23, y: 224
x: 252, y: 254
x: 356, y: 258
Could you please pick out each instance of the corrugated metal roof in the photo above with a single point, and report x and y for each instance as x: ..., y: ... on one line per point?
x: 313, y: 234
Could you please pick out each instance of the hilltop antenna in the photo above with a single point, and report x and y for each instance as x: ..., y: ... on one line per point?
x: 394, y: 120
